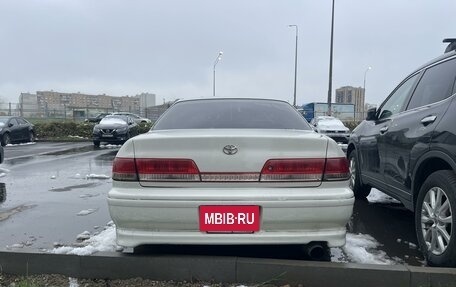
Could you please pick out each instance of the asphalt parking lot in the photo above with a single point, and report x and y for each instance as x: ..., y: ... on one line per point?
x: 52, y: 192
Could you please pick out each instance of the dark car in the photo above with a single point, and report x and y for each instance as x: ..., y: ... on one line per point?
x: 16, y: 129
x: 115, y: 129
x: 407, y: 149
x: 97, y: 118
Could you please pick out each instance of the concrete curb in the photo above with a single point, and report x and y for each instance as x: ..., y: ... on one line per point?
x: 223, y: 269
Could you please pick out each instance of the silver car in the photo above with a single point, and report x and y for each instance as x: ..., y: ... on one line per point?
x: 230, y: 171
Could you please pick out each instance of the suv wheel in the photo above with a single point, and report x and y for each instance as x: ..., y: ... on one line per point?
x: 6, y: 139
x: 360, y: 190
x: 434, y: 219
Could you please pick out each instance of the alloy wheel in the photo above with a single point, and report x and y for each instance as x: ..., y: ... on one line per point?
x: 352, y: 169
x: 436, y: 220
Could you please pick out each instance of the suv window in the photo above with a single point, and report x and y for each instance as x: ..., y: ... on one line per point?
x: 13, y: 122
x: 397, y: 100
x: 435, y: 85
x: 21, y: 121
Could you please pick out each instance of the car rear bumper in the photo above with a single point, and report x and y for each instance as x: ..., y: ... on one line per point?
x: 291, y: 218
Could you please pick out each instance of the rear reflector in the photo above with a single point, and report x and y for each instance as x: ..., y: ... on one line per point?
x: 308, y: 169
x: 230, y: 177
x: 124, y: 169
x: 167, y: 170
x: 336, y: 169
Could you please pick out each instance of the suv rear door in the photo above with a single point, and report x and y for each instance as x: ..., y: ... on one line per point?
x: 409, y: 133
x: 370, y: 140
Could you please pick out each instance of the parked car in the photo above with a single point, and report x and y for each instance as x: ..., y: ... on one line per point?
x: 15, y: 130
x: 114, y: 129
x: 332, y: 127
x: 407, y: 149
x: 97, y: 118
x: 231, y: 171
x: 135, y: 117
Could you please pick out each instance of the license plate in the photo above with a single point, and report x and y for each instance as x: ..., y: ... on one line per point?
x: 107, y: 136
x: 229, y: 218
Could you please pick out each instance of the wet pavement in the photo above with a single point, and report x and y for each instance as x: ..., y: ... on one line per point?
x: 50, y: 193
x: 47, y: 193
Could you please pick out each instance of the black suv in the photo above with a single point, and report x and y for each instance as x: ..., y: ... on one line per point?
x: 407, y: 149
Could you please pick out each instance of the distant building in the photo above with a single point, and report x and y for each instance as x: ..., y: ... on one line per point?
x: 352, y: 95
x: 78, y: 105
x: 344, y: 112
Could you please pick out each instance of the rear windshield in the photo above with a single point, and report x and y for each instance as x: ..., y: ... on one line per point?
x: 232, y: 114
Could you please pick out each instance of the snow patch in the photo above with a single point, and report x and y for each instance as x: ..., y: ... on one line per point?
x: 29, y: 143
x: 2, y: 174
x: 73, y: 282
x: 110, y: 146
x: 4, y: 170
x: 361, y: 248
x: 77, y: 137
x: 86, y: 212
x: 97, y: 176
x: 105, y: 241
x: 376, y: 196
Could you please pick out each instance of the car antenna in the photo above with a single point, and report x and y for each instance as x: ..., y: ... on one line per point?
x: 451, y: 46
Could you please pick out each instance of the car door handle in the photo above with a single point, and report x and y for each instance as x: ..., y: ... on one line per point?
x: 383, y: 130
x: 428, y: 120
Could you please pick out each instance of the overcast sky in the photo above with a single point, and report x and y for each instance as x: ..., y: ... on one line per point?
x: 168, y: 47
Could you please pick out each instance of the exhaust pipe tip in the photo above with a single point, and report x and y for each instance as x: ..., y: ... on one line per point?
x: 318, y: 251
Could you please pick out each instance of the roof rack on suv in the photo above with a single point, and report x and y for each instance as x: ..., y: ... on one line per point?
x: 451, y: 46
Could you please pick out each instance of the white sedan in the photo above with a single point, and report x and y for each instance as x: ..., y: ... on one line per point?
x: 230, y: 171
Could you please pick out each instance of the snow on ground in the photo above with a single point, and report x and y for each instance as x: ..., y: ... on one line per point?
x: 29, y: 143
x: 376, y: 196
x: 86, y: 212
x: 77, y: 137
x: 73, y: 282
x: 105, y: 241
x: 110, y: 146
x: 97, y: 176
x: 361, y: 248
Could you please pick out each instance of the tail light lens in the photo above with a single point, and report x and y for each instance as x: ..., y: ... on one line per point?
x: 124, y: 169
x: 308, y: 169
x: 336, y: 169
x: 184, y: 170
x: 167, y: 170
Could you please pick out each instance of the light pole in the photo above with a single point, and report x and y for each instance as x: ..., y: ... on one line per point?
x: 364, y: 88
x: 331, y: 61
x: 296, y: 64
x: 219, y: 57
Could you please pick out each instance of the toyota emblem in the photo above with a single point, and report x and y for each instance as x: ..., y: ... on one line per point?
x: 230, y: 149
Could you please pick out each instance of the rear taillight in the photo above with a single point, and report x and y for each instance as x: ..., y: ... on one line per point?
x: 167, y: 170
x: 336, y: 169
x: 148, y: 169
x: 124, y: 169
x: 307, y: 169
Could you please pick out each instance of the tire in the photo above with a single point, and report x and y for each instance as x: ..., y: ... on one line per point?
x: 430, y: 224
x: 31, y: 137
x: 6, y: 139
x: 96, y: 143
x: 360, y: 190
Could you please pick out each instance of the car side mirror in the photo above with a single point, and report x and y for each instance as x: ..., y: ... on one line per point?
x: 371, y: 114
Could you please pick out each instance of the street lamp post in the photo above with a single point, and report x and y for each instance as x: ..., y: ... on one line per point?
x: 296, y: 64
x: 219, y: 57
x: 364, y: 87
x: 331, y: 61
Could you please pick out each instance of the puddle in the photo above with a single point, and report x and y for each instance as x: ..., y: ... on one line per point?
x: 72, y: 150
x: 71, y: 187
x: 4, y: 215
x: 2, y: 192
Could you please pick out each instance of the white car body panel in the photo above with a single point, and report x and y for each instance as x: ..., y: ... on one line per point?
x: 291, y: 212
